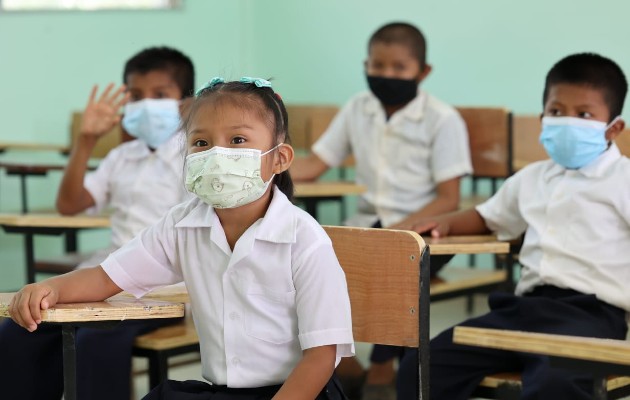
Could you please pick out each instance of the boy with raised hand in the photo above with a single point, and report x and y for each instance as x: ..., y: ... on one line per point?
x: 139, y: 181
x: 575, y: 214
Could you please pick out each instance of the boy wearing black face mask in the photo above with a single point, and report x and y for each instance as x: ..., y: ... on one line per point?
x: 410, y: 148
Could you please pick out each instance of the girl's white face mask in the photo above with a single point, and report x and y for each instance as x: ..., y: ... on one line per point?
x: 226, y: 177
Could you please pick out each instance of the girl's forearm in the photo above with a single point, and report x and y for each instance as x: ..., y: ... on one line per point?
x: 84, y: 285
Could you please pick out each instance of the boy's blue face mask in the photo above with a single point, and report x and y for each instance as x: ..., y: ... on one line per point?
x: 153, y: 121
x: 574, y: 142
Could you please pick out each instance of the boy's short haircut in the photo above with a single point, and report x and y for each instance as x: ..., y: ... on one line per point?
x: 592, y: 70
x: 404, y: 34
x: 165, y: 59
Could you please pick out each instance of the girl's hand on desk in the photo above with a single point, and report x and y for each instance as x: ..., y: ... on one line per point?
x: 101, y: 115
x: 25, y: 307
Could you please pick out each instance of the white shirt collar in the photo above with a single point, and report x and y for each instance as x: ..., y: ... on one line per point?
x: 414, y: 110
x: 595, y: 169
x: 278, y: 226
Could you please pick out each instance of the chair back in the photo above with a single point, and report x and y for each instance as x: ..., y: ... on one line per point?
x: 388, y: 282
x: 490, y: 140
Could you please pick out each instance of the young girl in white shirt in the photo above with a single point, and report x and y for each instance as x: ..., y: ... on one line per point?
x: 269, y: 298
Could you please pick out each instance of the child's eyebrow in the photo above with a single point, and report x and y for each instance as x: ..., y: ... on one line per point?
x: 241, y: 126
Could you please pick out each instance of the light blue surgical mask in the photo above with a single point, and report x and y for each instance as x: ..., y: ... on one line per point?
x: 574, y: 142
x: 153, y: 121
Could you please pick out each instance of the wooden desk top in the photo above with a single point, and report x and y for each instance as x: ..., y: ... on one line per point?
x: 603, y: 350
x: 32, y: 147
x: 172, y: 293
x: 53, y: 221
x: 115, y: 309
x: 467, y: 245
x: 327, y: 189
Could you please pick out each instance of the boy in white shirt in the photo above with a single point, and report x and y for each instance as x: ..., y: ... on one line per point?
x: 411, y: 151
x: 575, y: 214
x: 139, y: 181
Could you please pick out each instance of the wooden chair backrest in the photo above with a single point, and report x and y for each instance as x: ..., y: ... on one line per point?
x: 383, y: 271
x: 308, y: 122
x: 623, y: 141
x: 527, y: 148
x: 110, y: 140
x: 489, y: 135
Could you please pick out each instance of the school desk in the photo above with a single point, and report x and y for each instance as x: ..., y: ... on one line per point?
x: 97, y: 314
x: 311, y: 193
x: 600, y: 357
x: 4, y: 146
x: 30, y: 225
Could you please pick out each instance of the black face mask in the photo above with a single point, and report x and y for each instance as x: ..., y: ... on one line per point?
x: 393, y: 92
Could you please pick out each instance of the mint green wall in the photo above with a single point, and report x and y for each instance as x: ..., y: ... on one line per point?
x: 484, y: 52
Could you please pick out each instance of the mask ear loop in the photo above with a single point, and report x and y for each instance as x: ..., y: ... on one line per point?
x: 613, y: 122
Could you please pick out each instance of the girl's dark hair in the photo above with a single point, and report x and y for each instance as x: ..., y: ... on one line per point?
x: 263, y: 100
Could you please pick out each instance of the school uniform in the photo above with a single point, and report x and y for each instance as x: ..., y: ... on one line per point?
x: 256, y: 307
x: 138, y: 186
x: 574, y: 276
x: 400, y: 161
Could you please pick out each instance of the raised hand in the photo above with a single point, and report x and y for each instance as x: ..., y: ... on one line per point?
x: 102, y: 114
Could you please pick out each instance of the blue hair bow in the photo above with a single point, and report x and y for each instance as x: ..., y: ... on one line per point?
x: 211, y: 83
x: 259, y: 82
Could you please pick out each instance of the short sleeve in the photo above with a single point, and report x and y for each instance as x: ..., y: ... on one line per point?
x: 98, y: 182
x: 323, y: 304
x: 148, y: 261
x: 450, y: 153
x: 502, y: 213
x: 334, y: 146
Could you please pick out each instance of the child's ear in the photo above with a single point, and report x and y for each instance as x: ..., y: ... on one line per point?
x: 426, y: 70
x: 615, y: 130
x: 284, y: 158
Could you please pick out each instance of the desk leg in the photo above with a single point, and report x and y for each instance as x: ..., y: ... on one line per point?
x: 68, y: 333
x: 311, y: 207
x: 29, y: 257
x: 23, y: 190
x: 600, y: 391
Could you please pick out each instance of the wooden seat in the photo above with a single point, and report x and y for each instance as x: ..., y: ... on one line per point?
x: 455, y: 281
x: 60, y: 264
x: 508, y: 385
x: 599, y: 356
x: 387, y: 272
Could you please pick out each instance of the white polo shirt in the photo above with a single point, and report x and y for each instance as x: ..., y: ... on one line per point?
x: 577, y: 222
x: 138, y: 185
x: 400, y: 160
x: 279, y: 292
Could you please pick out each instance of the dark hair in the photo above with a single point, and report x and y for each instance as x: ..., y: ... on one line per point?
x: 263, y: 100
x: 592, y: 70
x: 165, y: 59
x: 404, y: 34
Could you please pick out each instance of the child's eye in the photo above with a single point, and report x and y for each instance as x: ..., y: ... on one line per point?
x: 585, y: 114
x: 237, y: 140
x: 200, y: 143
x: 160, y: 95
x: 554, y: 112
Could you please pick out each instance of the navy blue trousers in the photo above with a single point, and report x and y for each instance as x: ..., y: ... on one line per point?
x: 196, y: 390
x: 31, y: 366
x: 456, y: 370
